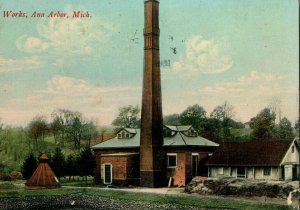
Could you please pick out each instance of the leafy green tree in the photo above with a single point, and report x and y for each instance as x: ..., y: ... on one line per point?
x: 297, y: 127
x: 86, y: 163
x: 172, y: 119
x: 57, y: 162
x: 263, y: 125
x: 285, y: 130
x: 38, y: 129
x: 193, y: 115
x: 70, y: 166
x: 128, y: 117
x: 70, y: 126
x: 29, y: 166
x: 211, y: 128
x: 223, y: 112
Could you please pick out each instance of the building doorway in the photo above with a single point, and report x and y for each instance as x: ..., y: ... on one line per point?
x: 107, y: 174
x: 194, y: 165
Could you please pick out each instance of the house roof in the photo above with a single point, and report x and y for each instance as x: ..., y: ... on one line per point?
x: 252, y: 153
x: 115, y: 142
x: 179, y: 127
x: 178, y: 139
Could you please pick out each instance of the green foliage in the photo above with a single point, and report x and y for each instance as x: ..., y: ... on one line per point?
x: 37, y: 129
x: 57, y: 162
x: 297, y: 127
x: 70, y: 126
x: 13, y: 148
x: 193, y: 115
x: 263, y: 125
x: 285, y: 130
x: 86, y: 163
x: 172, y: 119
x: 29, y: 166
x: 223, y: 112
x: 70, y: 166
x: 128, y: 117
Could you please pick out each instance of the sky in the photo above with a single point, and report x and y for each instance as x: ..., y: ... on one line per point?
x: 243, y: 52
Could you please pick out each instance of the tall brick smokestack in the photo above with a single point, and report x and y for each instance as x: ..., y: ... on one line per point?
x: 151, y: 154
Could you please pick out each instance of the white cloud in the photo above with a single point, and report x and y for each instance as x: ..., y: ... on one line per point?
x: 259, y: 76
x: 31, y: 44
x: 66, y: 35
x: 74, y: 94
x: 205, y: 56
x: 23, y: 64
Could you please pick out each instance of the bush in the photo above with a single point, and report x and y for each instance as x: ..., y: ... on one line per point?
x: 5, y: 177
x: 29, y: 166
x: 15, y: 175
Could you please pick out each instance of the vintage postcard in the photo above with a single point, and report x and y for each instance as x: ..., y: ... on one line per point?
x: 137, y: 104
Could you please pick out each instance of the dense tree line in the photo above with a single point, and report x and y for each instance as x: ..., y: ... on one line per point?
x: 82, y: 164
x: 67, y: 129
x: 219, y: 125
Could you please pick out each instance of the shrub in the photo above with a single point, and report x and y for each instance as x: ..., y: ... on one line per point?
x: 5, y: 177
x: 15, y: 175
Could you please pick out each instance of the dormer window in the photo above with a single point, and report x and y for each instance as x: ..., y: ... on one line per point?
x: 191, y: 132
x: 123, y: 135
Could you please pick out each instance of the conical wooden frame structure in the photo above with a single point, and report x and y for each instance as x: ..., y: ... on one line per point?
x: 43, y: 177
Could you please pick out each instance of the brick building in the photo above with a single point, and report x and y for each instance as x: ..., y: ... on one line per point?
x: 118, y: 159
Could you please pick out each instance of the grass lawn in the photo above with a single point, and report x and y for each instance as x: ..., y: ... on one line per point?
x: 10, y: 190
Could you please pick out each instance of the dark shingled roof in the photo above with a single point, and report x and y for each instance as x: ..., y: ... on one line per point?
x: 252, y: 153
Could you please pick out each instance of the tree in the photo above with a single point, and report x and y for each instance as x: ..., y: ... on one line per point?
x: 285, y: 130
x: 57, y: 162
x: 89, y: 132
x: 38, y: 128
x: 223, y: 112
x: 56, y: 127
x: 70, y: 166
x: 263, y: 125
x: 172, y: 119
x: 29, y: 166
x: 275, y: 107
x: 128, y: 117
x: 210, y: 128
x: 71, y: 126
x: 86, y: 163
x: 193, y: 115
x: 297, y: 126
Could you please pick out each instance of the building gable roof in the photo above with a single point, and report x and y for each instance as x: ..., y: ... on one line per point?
x: 252, y: 153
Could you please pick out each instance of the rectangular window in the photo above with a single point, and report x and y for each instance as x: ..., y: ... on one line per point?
x: 241, y: 172
x: 220, y: 170
x: 172, y: 160
x: 267, y: 171
x: 293, y: 149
